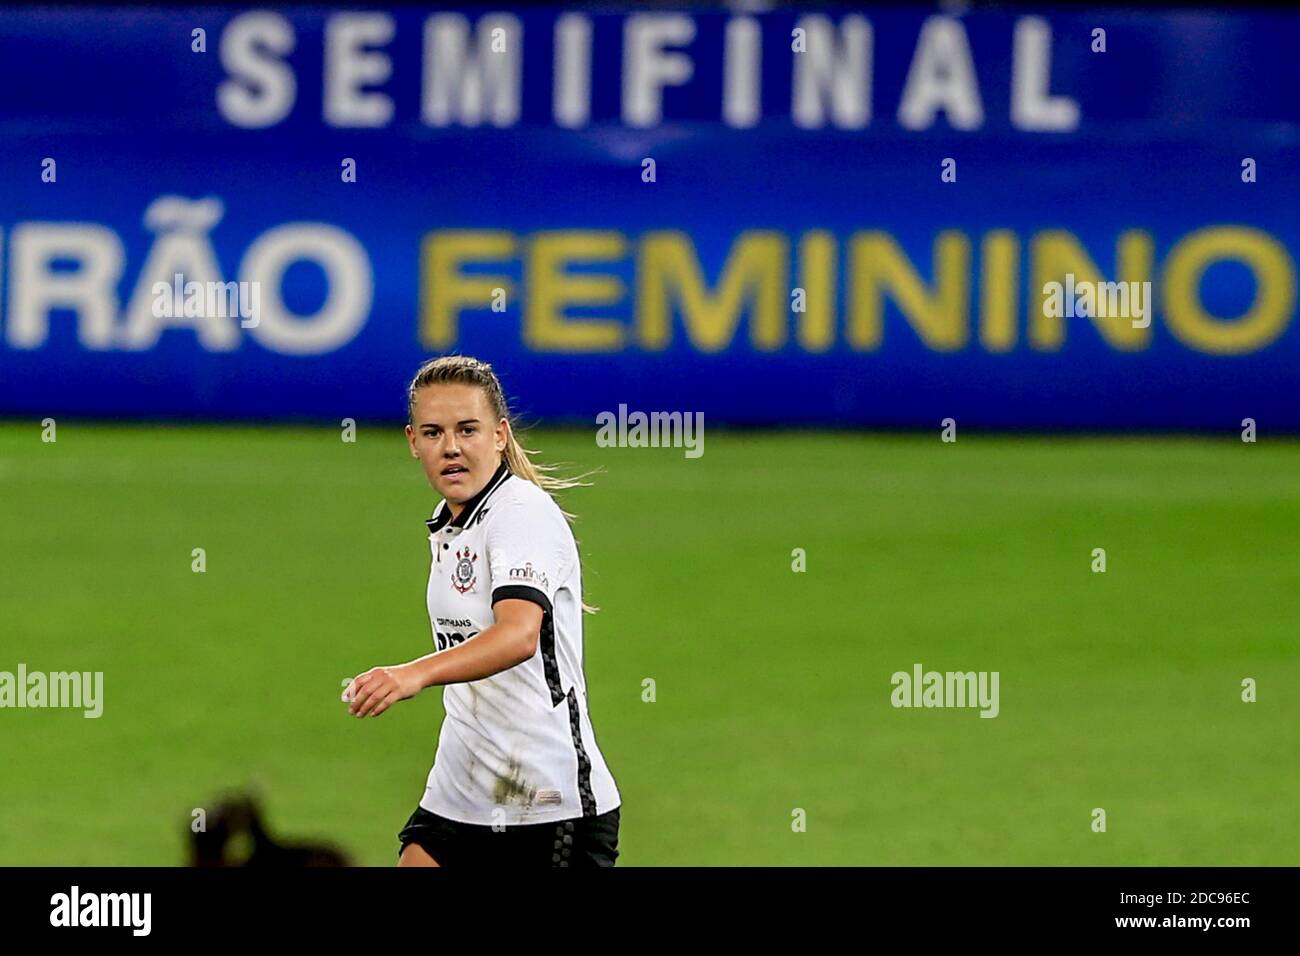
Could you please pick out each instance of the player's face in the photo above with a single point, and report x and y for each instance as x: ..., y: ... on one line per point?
x: 457, y: 438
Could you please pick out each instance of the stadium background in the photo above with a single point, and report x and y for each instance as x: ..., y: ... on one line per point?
x: 1119, y: 690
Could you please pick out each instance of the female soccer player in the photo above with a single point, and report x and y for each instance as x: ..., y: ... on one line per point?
x: 518, y: 778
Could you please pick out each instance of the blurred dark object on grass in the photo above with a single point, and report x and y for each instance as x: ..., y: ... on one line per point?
x: 234, y: 835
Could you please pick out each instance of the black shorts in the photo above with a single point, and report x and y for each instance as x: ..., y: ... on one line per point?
x: 580, y: 842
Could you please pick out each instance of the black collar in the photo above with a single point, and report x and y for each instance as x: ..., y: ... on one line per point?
x: 443, y: 516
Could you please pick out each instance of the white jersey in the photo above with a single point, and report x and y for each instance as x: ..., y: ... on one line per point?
x: 516, y: 747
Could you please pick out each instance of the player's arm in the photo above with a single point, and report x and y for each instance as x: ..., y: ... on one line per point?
x: 510, y: 640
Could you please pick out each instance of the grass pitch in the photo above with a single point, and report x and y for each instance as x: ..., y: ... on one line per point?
x: 1119, y: 690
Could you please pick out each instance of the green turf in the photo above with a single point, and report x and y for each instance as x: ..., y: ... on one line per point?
x: 1118, y: 690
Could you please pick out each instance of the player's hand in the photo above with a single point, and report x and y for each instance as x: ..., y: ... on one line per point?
x: 379, y: 688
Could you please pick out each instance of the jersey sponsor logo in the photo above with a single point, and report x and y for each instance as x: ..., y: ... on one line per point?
x: 463, y: 577
x: 528, y: 575
x: 455, y: 622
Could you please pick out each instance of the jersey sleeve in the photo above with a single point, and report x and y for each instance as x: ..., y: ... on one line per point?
x: 527, y: 554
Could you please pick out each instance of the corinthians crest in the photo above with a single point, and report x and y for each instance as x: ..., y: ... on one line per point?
x: 462, y: 576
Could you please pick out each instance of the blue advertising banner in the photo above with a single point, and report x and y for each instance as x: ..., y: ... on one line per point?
x: 1069, y: 220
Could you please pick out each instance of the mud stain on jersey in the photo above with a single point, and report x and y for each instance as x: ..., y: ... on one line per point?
x: 471, y: 765
x: 511, y: 786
